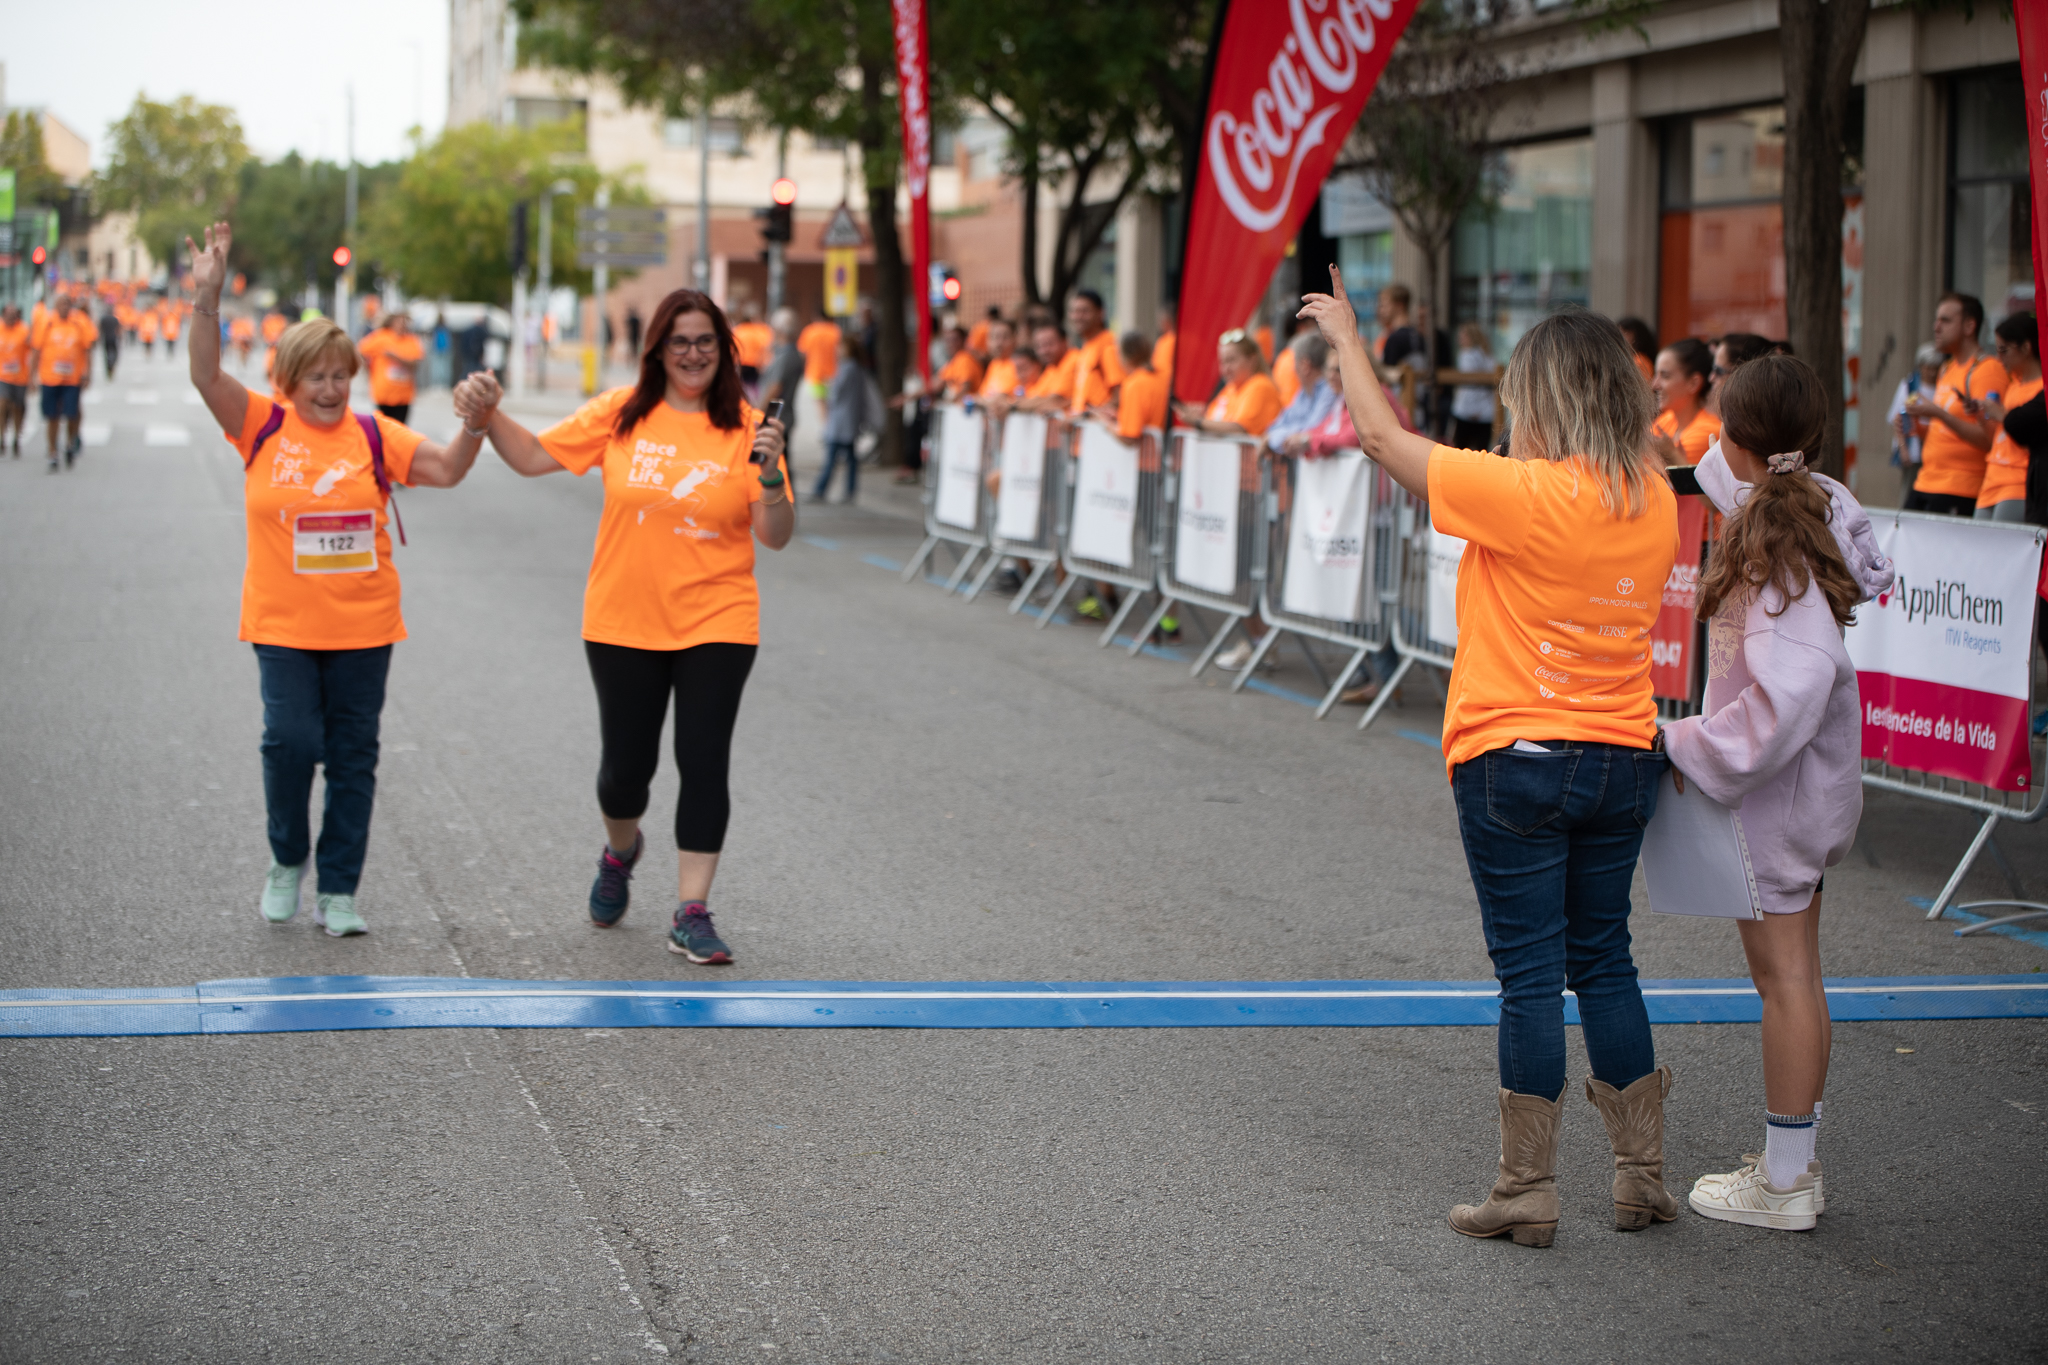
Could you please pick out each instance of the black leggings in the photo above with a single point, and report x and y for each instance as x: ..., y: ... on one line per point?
x: 633, y: 687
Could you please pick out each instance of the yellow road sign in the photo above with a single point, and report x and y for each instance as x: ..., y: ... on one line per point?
x: 842, y: 281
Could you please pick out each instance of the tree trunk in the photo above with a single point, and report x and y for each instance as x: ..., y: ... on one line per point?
x: 1030, y: 263
x: 878, y: 165
x: 1819, y: 40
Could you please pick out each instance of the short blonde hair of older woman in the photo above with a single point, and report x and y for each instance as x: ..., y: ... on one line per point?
x: 304, y: 345
x: 1246, y: 347
x: 1574, y: 392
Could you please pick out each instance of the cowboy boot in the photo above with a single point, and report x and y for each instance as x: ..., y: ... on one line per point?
x: 1523, y: 1203
x: 1635, y: 1127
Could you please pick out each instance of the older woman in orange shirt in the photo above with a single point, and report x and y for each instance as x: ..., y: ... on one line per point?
x: 1249, y: 399
x: 1550, y: 731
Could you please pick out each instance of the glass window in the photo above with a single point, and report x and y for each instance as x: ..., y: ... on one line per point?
x: 725, y: 134
x: 1991, y: 220
x: 1533, y: 252
x: 532, y: 113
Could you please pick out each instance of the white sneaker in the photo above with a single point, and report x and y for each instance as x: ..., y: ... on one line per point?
x: 283, y: 892
x: 1744, y: 1196
x: 1820, y: 1189
x: 1233, y: 659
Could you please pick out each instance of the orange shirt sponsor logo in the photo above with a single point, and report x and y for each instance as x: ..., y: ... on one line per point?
x: 319, y: 572
x: 1556, y: 599
x: 674, y: 561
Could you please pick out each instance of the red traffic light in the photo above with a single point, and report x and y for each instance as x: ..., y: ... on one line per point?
x: 951, y: 289
x: 342, y: 256
x: 783, y: 191
x: 38, y: 255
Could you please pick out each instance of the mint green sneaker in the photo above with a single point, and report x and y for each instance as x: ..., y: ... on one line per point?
x: 337, y: 915
x: 282, y: 892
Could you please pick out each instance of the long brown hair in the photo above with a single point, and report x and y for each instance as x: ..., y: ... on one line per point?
x: 1779, y: 537
x: 1574, y: 391
x: 721, y: 401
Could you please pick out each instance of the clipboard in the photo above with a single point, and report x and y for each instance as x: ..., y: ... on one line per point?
x: 1695, y: 858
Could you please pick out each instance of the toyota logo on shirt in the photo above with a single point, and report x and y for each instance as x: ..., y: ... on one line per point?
x: 1625, y: 586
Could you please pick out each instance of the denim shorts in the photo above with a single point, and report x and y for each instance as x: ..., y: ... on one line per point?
x: 60, y: 402
x: 16, y: 394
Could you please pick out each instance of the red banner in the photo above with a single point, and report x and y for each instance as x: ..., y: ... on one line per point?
x: 1290, y: 79
x: 2032, y: 22
x: 913, y: 99
x: 1671, y: 639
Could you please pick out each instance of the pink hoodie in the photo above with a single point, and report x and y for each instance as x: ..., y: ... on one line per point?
x: 1781, y: 739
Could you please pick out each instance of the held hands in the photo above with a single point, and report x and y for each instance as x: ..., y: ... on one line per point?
x: 476, y: 398
x: 210, y: 263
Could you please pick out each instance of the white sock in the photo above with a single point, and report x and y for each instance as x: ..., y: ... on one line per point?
x: 1788, y: 1147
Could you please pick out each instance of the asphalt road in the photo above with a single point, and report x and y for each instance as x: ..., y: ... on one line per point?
x: 925, y: 790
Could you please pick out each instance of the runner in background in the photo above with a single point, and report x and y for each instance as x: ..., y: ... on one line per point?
x: 2003, y: 496
x: 110, y: 341
x: 242, y: 334
x: 1684, y: 428
x: 320, y: 596
x: 173, y: 322
x: 820, y: 344
x: 1958, y: 437
x: 671, y: 606
x: 1642, y: 339
x: 1000, y: 375
x: 1548, y: 732
x: 393, y: 353
x: 61, y: 358
x: 14, y: 374
x: 756, y: 342
x: 146, y: 327
x: 783, y: 380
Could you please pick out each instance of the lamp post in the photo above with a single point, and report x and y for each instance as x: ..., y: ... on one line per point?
x: 547, y: 269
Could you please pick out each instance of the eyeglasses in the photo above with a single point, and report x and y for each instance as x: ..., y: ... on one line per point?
x: 703, y: 345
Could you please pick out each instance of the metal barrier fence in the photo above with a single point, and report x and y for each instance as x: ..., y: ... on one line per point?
x: 1214, y: 552
x: 1323, y: 583
x: 1418, y: 591
x: 1110, y: 530
x: 956, y: 505
x: 1030, y: 451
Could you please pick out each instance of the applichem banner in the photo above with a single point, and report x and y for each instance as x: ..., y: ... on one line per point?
x: 1023, y: 487
x: 1326, y: 537
x: 1105, y: 498
x: 958, y: 501
x: 1942, y: 659
x: 913, y: 100
x: 1671, y: 638
x: 1287, y: 82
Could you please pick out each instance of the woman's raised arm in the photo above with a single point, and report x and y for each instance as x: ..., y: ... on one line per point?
x: 225, y: 398
x: 476, y: 404
x: 1402, y: 453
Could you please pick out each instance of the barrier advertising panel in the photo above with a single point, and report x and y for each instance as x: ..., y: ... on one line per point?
x: 1023, y: 465
x: 1205, y: 550
x: 1326, y: 537
x: 1105, y: 498
x: 1444, y: 554
x: 959, y: 495
x: 1942, y: 659
x: 1671, y: 638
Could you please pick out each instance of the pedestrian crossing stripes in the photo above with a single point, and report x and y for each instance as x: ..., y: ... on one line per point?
x: 320, y: 1003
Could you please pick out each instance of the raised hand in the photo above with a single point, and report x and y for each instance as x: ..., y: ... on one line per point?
x: 476, y: 397
x: 1332, y: 312
x: 210, y: 263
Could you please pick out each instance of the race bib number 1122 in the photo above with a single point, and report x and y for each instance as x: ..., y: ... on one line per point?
x: 335, y: 542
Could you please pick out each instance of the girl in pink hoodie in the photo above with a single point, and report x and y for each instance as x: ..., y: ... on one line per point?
x: 1780, y: 741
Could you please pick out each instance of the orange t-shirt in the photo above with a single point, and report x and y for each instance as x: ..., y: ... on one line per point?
x: 1141, y: 404
x: 674, y: 564
x: 1284, y: 377
x: 1699, y: 433
x: 147, y: 326
x: 1252, y: 404
x: 964, y: 371
x: 2005, y: 467
x: 1000, y: 377
x: 14, y: 353
x: 820, y: 344
x: 755, y: 341
x: 171, y: 324
x: 242, y: 331
x: 1556, y: 598
x: 65, y: 347
x: 320, y: 574
x: 977, y: 337
x: 1061, y: 380
x: 392, y: 359
x: 1949, y: 464
x: 274, y: 325
x: 1162, y: 356
x: 1101, y: 361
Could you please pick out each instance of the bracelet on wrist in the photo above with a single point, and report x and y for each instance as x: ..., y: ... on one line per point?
x: 206, y: 313
x: 773, y: 479
x: 470, y: 431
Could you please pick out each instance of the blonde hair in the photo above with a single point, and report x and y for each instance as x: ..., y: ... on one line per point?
x: 304, y: 345
x: 1247, y: 348
x: 1575, y: 393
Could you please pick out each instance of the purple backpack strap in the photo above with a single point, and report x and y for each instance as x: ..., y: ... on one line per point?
x: 265, y: 432
x: 375, y: 437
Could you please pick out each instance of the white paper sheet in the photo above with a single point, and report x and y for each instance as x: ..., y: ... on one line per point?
x: 1326, y: 537
x: 1105, y: 498
x: 959, y: 494
x: 1023, y: 465
x: 1205, y: 549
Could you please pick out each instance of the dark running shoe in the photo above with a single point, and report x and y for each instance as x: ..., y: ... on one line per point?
x: 693, y: 937
x: 612, y: 892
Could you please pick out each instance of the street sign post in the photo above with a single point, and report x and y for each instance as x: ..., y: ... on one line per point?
x: 615, y: 238
x: 842, y: 242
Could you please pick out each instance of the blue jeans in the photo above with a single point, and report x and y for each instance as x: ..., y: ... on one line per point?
x: 836, y: 451
x: 1552, y: 840
x: 322, y: 707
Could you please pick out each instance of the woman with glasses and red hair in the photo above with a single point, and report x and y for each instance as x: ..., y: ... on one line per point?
x: 693, y: 476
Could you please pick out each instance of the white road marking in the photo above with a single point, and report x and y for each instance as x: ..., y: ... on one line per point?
x: 95, y: 433
x: 192, y: 398
x: 166, y: 434
x: 141, y: 395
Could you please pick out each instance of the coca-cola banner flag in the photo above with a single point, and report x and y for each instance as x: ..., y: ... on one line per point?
x: 913, y: 100
x: 1290, y: 79
x: 2032, y: 21
x: 1671, y: 639
x: 1942, y: 659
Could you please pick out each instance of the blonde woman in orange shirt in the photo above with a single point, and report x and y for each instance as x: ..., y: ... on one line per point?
x: 1549, y: 731
x: 1248, y: 401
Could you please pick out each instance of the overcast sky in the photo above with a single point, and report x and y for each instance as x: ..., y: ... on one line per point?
x: 284, y: 66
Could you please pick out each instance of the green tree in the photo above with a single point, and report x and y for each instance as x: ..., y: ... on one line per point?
x: 21, y: 151
x: 441, y: 226
x: 177, y: 166
x: 290, y: 215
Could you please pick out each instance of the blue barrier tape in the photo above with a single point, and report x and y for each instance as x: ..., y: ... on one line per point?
x: 310, y: 1003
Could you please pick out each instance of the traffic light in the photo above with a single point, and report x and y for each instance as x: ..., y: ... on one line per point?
x: 945, y: 284
x: 777, y: 220
x: 342, y: 256
x: 38, y: 256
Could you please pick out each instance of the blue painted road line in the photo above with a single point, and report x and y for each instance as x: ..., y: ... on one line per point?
x: 2025, y: 933
x: 819, y: 541
x: 1285, y: 693
x: 882, y: 562
x: 318, y: 1003
x: 1433, y: 741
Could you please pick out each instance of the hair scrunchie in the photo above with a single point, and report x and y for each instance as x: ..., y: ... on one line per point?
x: 1789, y: 463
